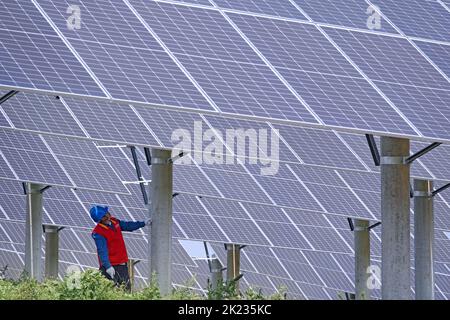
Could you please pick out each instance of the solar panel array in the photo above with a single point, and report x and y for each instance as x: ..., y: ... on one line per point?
x: 299, y: 61
x: 288, y: 62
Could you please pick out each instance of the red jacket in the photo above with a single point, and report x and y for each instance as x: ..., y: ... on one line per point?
x: 117, y: 252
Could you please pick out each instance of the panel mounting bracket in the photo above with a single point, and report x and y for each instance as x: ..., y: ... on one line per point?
x: 8, y: 95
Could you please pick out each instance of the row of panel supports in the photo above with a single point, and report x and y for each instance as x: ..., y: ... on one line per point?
x: 395, y: 234
x: 395, y: 230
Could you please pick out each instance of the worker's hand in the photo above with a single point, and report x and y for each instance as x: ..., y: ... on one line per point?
x: 148, y: 222
x: 111, y: 272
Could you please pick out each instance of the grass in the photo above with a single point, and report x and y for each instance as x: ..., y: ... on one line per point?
x: 91, y: 285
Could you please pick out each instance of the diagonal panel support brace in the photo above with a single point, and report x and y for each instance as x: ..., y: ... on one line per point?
x: 139, y: 174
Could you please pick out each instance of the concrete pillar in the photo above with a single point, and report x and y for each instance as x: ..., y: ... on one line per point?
x: 33, y: 231
x: 362, y: 259
x: 131, y: 271
x: 51, y: 251
x: 423, y: 239
x: 395, y: 215
x: 216, y: 273
x: 161, y: 213
x: 233, y: 263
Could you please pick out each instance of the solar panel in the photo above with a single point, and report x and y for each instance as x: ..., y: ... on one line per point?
x: 103, y: 21
x: 438, y: 53
x: 85, y: 164
x: 137, y: 74
x: 319, y: 147
x: 284, y: 235
x: 43, y: 62
x: 430, y: 18
x: 32, y: 162
x: 349, y: 13
x: 238, y: 186
x: 277, y: 8
x: 288, y: 193
x: 241, y: 231
x: 427, y: 108
x: 247, y: 89
x: 388, y: 59
x: 110, y: 121
x: 40, y: 113
x: 200, y: 227
x: 227, y: 127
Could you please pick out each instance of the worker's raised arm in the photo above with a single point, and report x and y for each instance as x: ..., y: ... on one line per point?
x: 132, y: 225
x: 102, y: 250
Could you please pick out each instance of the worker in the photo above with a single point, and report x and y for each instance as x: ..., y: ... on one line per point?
x: 111, y: 250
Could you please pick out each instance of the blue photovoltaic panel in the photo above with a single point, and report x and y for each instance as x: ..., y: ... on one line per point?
x: 314, y: 68
x: 196, y: 32
x: 284, y: 235
x: 140, y: 75
x: 224, y: 208
x: 294, y: 45
x: 188, y: 178
x: 78, y: 215
x: 11, y: 187
x: 256, y: 130
x: 346, y: 102
x: 30, y: 159
x: 103, y: 21
x: 288, y: 193
x: 166, y: 123
x: 5, y: 171
x: 280, y: 8
x: 93, y: 174
x: 215, y: 61
x: 200, y: 227
x: 428, y: 109
x: 319, y: 147
x: 235, y: 185
x: 326, y: 239
x: 110, y: 121
x: 339, y: 200
x: 246, y: 89
x: 388, y: 59
x: 23, y: 16
x: 319, y: 175
x: 42, y: 62
x: 264, y: 260
x: 349, y: 13
x: 306, y: 218
x: 247, y: 233
x: 439, y: 53
x: 436, y: 160
x: 85, y: 164
x: 202, y: 2
x: 126, y: 170
x: 41, y: 113
x: 14, y: 206
x: 430, y: 18
x: 265, y: 213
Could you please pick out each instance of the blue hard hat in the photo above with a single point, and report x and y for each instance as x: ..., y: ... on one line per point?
x: 98, y: 212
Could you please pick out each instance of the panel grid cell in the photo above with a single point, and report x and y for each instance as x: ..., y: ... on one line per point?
x: 41, y: 113
x: 278, y: 8
x: 388, y: 59
x: 42, y: 62
x: 348, y: 13
x: 110, y: 121
x: 430, y: 18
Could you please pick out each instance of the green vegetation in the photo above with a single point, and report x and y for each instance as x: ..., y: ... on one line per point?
x: 91, y: 285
